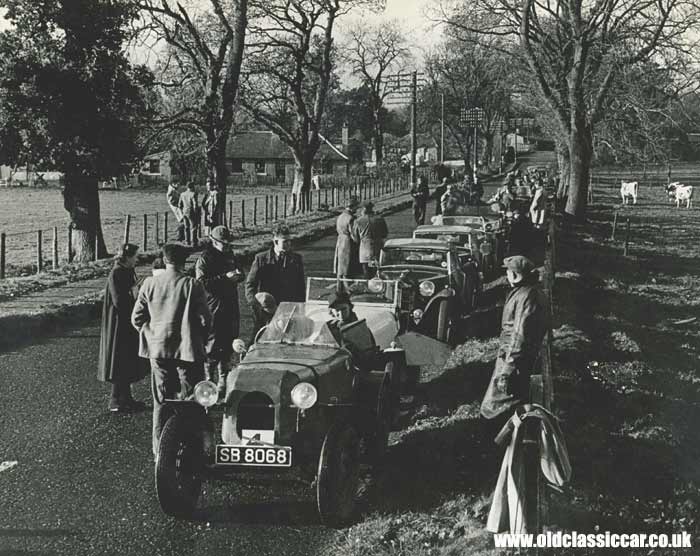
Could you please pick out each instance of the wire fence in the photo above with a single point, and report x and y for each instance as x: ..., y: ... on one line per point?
x: 30, y: 252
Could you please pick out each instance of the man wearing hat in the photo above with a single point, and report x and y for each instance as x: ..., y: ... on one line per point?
x: 346, y: 250
x: 523, y: 327
x: 369, y: 231
x: 218, y: 270
x: 349, y: 331
x: 420, y: 194
x: 264, y: 306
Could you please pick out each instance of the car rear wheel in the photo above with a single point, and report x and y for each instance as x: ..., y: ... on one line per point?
x: 383, y: 419
x: 338, y: 475
x: 178, y: 468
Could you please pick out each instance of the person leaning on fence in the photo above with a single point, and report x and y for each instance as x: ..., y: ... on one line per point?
x: 173, y: 321
x: 172, y: 195
x: 220, y: 272
x: 189, y: 206
x: 523, y: 326
x: 118, y: 361
x: 370, y: 232
x: 346, y: 249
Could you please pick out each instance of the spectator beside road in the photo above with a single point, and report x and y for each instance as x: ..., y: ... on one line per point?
x: 220, y: 272
x: 278, y: 271
x: 173, y: 320
x: 119, y: 361
x: 346, y: 249
x: 437, y: 195
x: 210, y: 207
x: 523, y: 327
x: 189, y: 206
x: 537, y: 206
x: 370, y: 232
x: 420, y: 194
x: 173, y: 197
x: 450, y: 200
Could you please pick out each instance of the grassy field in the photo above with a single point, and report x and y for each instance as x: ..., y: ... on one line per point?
x: 627, y: 387
x: 26, y: 210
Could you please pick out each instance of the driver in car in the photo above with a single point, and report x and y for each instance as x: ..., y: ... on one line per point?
x: 349, y: 331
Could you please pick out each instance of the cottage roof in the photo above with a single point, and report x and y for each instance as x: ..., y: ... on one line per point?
x: 267, y: 145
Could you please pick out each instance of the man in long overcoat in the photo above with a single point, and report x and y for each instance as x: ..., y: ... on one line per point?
x: 420, y: 194
x: 173, y: 320
x: 370, y: 231
x: 346, y: 249
x: 189, y: 206
x: 278, y: 271
x: 119, y: 362
x: 523, y: 327
x: 219, y: 271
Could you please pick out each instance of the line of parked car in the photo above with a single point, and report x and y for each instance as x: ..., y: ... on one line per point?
x: 308, y: 403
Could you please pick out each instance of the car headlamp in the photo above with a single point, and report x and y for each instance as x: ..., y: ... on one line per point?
x: 509, y: 214
x: 304, y: 395
x: 206, y: 393
x: 426, y: 288
x: 417, y: 315
x: 375, y: 285
x: 485, y: 248
x: 488, y: 227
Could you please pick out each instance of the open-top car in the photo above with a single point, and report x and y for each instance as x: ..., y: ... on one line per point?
x: 439, y: 282
x: 309, y: 398
x: 483, y: 237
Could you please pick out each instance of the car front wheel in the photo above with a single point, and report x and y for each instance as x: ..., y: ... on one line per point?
x: 338, y: 475
x: 178, y: 468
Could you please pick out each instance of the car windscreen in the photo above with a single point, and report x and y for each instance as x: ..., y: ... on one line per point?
x: 360, y: 291
x: 412, y: 256
x: 299, y: 323
x: 450, y: 237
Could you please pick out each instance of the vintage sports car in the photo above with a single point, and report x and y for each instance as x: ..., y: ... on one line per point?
x: 483, y: 237
x: 308, y: 399
x: 440, y: 285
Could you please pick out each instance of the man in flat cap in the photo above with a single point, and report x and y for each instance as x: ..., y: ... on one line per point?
x: 523, y: 327
x: 349, y: 331
x: 220, y: 272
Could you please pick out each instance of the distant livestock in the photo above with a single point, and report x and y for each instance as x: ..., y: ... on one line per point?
x: 678, y: 192
x: 628, y: 190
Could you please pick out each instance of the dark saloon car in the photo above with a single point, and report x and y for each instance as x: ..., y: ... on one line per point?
x: 440, y: 285
x: 309, y: 399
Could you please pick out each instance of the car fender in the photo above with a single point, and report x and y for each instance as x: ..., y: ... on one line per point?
x: 438, y: 297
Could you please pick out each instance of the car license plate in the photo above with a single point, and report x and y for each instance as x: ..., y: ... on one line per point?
x: 254, y: 456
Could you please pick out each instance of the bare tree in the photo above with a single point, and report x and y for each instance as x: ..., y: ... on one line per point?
x: 373, y: 50
x: 575, y: 50
x: 200, y: 72
x: 288, y: 70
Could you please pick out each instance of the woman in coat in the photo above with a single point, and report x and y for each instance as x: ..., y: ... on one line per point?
x: 369, y: 231
x: 346, y: 249
x: 119, y: 362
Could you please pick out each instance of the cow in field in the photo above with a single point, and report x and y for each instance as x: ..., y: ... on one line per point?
x: 678, y: 192
x: 628, y: 190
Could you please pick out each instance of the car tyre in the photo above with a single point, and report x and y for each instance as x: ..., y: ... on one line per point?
x: 178, y: 468
x: 383, y: 419
x: 443, y: 322
x: 338, y: 477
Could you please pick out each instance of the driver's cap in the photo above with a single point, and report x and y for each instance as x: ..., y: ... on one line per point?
x: 520, y: 264
x: 338, y: 297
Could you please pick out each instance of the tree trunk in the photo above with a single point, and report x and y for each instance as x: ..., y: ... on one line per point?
x: 81, y: 200
x: 217, y: 173
x: 563, y: 162
x: 580, y: 156
x: 379, y: 144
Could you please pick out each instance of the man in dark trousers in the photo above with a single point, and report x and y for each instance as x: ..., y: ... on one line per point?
x: 220, y: 272
x: 278, y: 271
x: 370, y: 231
x: 173, y: 320
x: 420, y: 194
x: 523, y: 327
x: 189, y: 206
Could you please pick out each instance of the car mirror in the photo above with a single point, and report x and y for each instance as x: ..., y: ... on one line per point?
x: 239, y: 346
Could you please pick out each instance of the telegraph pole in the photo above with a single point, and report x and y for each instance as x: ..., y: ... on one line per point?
x: 442, y: 128
x: 414, y: 96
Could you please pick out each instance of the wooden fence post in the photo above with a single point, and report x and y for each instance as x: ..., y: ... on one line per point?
x: 2, y: 255
x: 127, y: 228
x: 165, y: 227
x: 157, y: 228
x: 267, y: 208
x: 325, y: 197
x: 145, y: 233
x: 318, y: 199
x: 230, y: 214
x: 255, y: 211
x: 277, y: 208
x: 39, y: 257
x: 284, y: 207
x: 627, y: 237
x: 612, y: 236
x: 96, y: 246
x: 243, y: 213
x: 54, y: 247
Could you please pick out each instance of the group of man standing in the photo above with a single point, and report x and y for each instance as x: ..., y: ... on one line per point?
x: 361, y: 236
x: 189, y: 211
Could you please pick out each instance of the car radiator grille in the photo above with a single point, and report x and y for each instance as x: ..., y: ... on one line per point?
x: 255, y: 411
